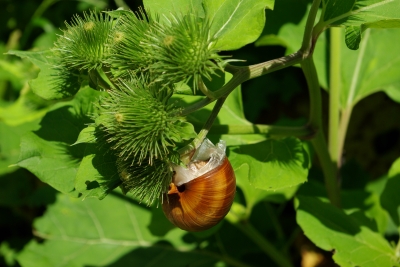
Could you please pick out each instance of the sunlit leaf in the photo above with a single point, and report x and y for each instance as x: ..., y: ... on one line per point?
x: 254, y: 195
x: 53, y: 82
x: 236, y: 23
x: 48, y: 153
x: 273, y: 164
x: 174, y: 7
x: 372, y: 68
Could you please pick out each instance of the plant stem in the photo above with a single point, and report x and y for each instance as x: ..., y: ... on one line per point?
x: 196, y: 106
x: 303, y: 132
x: 307, y: 45
x: 242, y: 74
x: 186, y: 151
x: 203, y: 88
x: 315, y: 118
x: 248, y: 229
x: 329, y: 169
x: 334, y: 95
x: 315, y: 121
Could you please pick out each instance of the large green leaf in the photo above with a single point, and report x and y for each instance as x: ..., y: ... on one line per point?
x: 353, y: 243
x: 273, y: 164
x: 54, y: 81
x: 372, y: 68
x: 253, y: 195
x: 359, y: 15
x: 16, y: 120
x: 116, y: 231
x: 236, y: 23
x: 48, y: 153
x: 175, y: 7
x: 365, y: 202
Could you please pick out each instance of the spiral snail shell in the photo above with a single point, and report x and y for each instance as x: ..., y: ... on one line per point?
x: 202, y: 202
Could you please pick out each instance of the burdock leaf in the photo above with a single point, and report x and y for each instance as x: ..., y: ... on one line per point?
x: 54, y: 80
x: 236, y: 23
x: 48, y: 153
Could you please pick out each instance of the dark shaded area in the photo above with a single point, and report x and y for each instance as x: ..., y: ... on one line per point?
x: 373, y: 138
x: 158, y: 256
x: 22, y: 199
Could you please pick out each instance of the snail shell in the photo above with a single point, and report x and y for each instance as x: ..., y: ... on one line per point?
x: 203, y: 202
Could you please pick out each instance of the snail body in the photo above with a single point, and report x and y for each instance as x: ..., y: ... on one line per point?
x: 201, y: 203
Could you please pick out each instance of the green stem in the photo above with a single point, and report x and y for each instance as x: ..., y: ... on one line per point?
x: 196, y: 106
x: 242, y: 74
x: 307, y: 45
x: 334, y: 94
x: 319, y: 142
x: 329, y: 169
x: 303, y: 132
x: 249, y: 230
x: 186, y: 151
x: 203, y: 88
x: 315, y: 118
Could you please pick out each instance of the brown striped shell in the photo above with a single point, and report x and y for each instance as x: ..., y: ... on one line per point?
x: 203, y: 202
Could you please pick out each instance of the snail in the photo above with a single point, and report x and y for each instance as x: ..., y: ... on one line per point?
x: 201, y: 195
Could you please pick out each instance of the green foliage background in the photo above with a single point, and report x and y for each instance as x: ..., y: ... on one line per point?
x: 41, y: 227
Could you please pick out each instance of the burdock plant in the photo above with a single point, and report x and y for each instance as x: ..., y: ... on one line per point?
x: 143, y: 129
x: 83, y: 44
x: 130, y: 125
x: 178, y: 49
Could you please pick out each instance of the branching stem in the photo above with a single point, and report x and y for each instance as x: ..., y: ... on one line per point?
x: 242, y: 74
